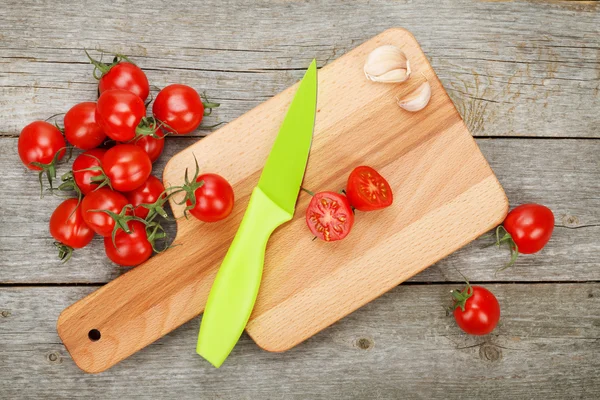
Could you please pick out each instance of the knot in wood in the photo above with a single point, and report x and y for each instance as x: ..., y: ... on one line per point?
x: 489, y: 352
x: 570, y: 220
x: 5, y: 314
x: 54, y: 357
x: 365, y: 343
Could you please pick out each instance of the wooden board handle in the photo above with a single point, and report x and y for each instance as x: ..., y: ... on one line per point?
x: 135, y: 310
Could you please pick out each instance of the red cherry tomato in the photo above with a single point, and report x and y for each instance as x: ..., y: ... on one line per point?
x: 118, y: 113
x: 148, y: 193
x: 83, y: 178
x: 131, y: 248
x: 530, y: 226
x: 477, y: 312
x: 126, y: 76
x: 214, y: 199
x: 81, y: 128
x: 67, y: 225
x: 102, y: 199
x: 329, y: 216
x: 180, y: 108
x: 39, y: 142
x: 126, y: 166
x: 153, y: 146
x: 367, y: 190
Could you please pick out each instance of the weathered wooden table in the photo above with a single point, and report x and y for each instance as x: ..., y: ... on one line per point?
x: 524, y: 75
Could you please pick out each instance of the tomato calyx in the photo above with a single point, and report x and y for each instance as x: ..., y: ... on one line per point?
x: 154, y: 232
x: 69, y: 185
x: 157, y: 208
x: 461, y: 297
x: 49, y: 169
x: 148, y: 126
x: 64, y: 252
x: 104, y: 68
x: 506, y: 238
x: 208, y: 107
x: 122, y: 220
x: 189, y: 187
x: 102, y: 179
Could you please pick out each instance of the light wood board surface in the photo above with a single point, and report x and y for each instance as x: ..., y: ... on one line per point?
x: 446, y: 195
x: 515, y: 69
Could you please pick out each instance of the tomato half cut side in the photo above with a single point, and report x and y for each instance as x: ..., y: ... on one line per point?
x: 367, y: 190
x: 329, y: 216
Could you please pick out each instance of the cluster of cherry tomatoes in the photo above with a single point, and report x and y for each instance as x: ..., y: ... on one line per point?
x: 117, y: 196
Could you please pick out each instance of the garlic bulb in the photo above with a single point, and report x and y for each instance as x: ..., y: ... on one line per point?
x: 387, y: 64
x: 418, y: 99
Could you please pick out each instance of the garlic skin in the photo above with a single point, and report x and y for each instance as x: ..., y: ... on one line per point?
x: 387, y: 64
x: 418, y: 99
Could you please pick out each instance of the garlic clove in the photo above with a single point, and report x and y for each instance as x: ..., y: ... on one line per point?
x: 418, y: 99
x: 387, y: 64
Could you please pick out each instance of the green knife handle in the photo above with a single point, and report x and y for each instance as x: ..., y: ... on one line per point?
x: 235, y: 288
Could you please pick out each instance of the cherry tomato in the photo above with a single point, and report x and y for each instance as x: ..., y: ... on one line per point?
x: 118, y: 113
x: 68, y: 227
x: 476, y: 311
x: 367, y: 190
x: 126, y: 166
x: 153, y: 146
x: 89, y: 159
x: 530, y: 226
x: 39, y: 142
x: 180, y: 108
x: 81, y: 128
x: 329, y: 216
x: 126, y: 76
x: 131, y: 248
x: 102, y: 199
x: 214, y: 199
x: 148, y: 193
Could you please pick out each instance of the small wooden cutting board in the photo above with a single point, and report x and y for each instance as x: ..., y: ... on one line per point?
x: 445, y: 195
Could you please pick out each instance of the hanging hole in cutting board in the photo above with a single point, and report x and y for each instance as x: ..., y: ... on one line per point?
x: 94, y: 335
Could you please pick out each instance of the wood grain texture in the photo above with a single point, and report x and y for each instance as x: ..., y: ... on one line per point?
x: 522, y: 68
x: 445, y: 193
x: 401, y: 345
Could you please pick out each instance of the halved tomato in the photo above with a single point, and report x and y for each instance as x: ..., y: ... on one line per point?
x: 367, y: 190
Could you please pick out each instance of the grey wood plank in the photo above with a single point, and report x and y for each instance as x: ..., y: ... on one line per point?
x: 563, y: 174
x: 401, y: 345
x: 512, y: 68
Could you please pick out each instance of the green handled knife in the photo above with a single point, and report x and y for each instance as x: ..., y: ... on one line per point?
x: 272, y: 203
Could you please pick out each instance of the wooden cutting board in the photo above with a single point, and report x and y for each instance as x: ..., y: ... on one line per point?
x: 445, y: 195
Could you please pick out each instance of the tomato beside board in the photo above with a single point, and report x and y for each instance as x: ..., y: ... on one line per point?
x: 530, y: 227
x: 81, y: 128
x: 102, y: 199
x: 147, y: 193
x: 81, y: 169
x: 69, y: 229
x: 38, y: 143
x: 126, y: 166
x: 329, y: 216
x: 180, y: 108
x: 153, y: 146
x: 129, y: 249
x: 367, y: 190
x: 476, y: 310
